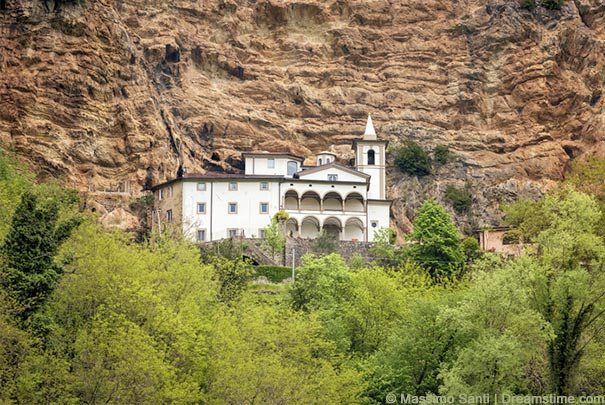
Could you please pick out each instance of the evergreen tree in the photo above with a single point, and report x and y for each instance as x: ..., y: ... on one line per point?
x: 30, y: 273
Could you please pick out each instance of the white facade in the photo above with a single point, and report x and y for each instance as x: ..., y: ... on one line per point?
x: 349, y: 203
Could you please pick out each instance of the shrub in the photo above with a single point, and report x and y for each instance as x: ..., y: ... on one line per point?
x: 528, y: 4
x: 552, y: 4
x: 275, y: 274
x: 441, y: 154
x: 461, y: 199
x: 412, y: 159
x: 471, y: 248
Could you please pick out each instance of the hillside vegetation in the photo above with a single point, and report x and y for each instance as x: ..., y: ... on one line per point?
x: 91, y: 316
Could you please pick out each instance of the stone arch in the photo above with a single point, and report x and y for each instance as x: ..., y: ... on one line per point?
x: 332, y: 226
x: 309, y: 227
x: 332, y: 201
x: 310, y: 201
x: 354, y: 229
x: 354, y: 202
x: 291, y: 200
x: 292, y: 227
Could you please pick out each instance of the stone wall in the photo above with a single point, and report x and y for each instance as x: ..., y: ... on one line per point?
x: 345, y: 248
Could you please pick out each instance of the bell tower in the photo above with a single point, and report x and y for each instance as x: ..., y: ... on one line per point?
x: 370, y: 156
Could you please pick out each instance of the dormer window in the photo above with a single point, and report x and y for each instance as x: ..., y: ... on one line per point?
x: 371, y: 157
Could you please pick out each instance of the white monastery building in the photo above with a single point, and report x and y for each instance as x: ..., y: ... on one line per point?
x: 347, y: 202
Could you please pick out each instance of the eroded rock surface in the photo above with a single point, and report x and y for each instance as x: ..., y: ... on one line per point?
x: 131, y: 90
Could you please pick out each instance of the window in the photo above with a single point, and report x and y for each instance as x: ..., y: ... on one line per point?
x: 271, y: 163
x: 264, y: 185
x: 327, y: 160
x: 161, y: 194
x: 332, y: 177
x: 201, y: 235
x: 371, y: 157
x: 233, y: 186
x: 292, y: 168
x: 261, y: 233
x: 232, y: 232
x: 232, y: 208
x: 170, y: 191
x: 320, y: 161
x: 201, y: 186
x: 374, y: 224
x: 201, y: 208
x: 169, y: 216
x: 264, y: 208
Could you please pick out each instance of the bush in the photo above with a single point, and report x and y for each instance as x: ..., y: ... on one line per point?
x: 528, y: 4
x: 275, y: 274
x: 552, y: 4
x: 412, y: 159
x: 441, y: 154
x: 461, y: 199
x: 471, y: 248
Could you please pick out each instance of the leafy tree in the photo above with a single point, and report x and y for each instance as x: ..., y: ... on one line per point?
x: 471, y: 248
x: 29, y: 250
x: 14, y: 181
x: 504, y: 337
x: 320, y: 281
x: 232, y: 276
x: 441, y: 154
x: 274, y: 240
x: 269, y: 355
x: 567, y: 280
x: 418, y: 346
x: 412, y: 159
x: 525, y: 217
x: 438, y: 245
x: 383, y: 248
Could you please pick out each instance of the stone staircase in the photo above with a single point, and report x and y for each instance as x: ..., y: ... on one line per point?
x: 254, y: 250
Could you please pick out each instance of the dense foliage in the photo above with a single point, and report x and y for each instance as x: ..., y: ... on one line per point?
x: 412, y: 159
x: 116, y: 321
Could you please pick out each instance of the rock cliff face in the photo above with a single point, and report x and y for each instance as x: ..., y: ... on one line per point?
x: 116, y: 91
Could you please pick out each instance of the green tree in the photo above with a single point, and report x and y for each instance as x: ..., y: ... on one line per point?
x: 437, y: 240
x: 36, y: 233
x: 271, y: 355
x: 417, y: 348
x: 412, y: 159
x: 383, y: 248
x: 471, y: 249
x: 320, y: 281
x: 567, y: 280
x: 274, y: 240
x: 14, y: 181
x: 504, y: 338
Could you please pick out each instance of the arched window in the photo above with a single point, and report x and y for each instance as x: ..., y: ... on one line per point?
x: 320, y: 161
x: 371, y: 157
x: 292, y: 168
